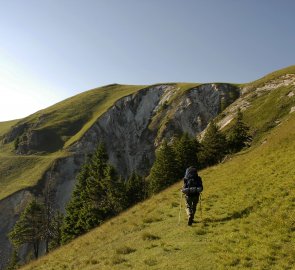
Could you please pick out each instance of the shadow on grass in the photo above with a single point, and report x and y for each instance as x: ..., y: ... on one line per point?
x: 235, y: 215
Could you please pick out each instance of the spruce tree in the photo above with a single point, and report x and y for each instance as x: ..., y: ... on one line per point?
x: 135, y: 189
x: 164, y: 171
x: 13, y: 263
x: 29, y: 229
x: 214, y: 146
x: 72, y: 226
x: 56, y: 225
x: 98, y: 195
x: 238, y: 136
x: 186, y: 150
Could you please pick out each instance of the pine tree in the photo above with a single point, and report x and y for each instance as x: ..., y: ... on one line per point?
x: 186, y: 150
x: 72, y: 226
x: 98, y: 195
x: 56, y: 226
x: 29, y: 229
x: 239, y: 136
x: 48, y: 206
x: 214, y: 146
x: 135, y: 189
x: 164, y: 171
x: 13, y: 263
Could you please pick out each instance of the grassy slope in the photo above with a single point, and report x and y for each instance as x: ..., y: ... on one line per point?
x: 248, y: 220
x: 19, y: 172
x: 266, y: 111
x: 5, y: 126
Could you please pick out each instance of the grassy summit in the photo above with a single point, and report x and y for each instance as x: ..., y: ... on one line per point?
x: 248, y: 220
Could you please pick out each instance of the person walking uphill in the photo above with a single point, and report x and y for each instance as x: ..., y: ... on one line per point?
x: 192, y: 188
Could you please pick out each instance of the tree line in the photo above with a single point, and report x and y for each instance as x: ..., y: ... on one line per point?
x: 174, y: 157
x: 100, y: 193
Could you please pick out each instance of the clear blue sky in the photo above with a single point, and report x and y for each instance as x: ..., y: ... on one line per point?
x: 53, y: 49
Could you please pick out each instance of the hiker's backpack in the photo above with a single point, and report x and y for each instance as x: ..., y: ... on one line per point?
x: 192, y: 182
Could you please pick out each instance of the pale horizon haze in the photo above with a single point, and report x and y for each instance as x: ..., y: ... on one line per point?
x: 53, y: 49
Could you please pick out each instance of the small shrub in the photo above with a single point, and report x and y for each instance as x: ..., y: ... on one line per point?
x: 118, y: 260
x: 150, y: 237
x: 235, y: 262
x: 125, y: 250
x: 94, y: 261
x: 150, y: 262
x: 200, y: 231
x: 151, y: 219
x: 16, y: 143
x: 174, y: 204
x: 151, y: 246
x: 248, y: 264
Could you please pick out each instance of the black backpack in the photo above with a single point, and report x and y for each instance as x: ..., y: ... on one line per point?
x: 192, y: 182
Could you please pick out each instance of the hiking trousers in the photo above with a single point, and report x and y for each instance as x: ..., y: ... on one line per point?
x: 191, y: 205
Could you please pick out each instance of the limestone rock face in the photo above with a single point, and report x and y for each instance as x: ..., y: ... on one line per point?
x: 131, y: 130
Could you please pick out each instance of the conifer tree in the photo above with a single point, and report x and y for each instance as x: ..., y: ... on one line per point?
x: 13, y: 263
x: 239, y: 136
x: 164, y: 171
x: 135, y: 189
x: 49, y: 213
x: 56, y: 225
x: 214, y: 146
x: 97, y: 196
x: 72, y: 226
x: 186, y: 150
x: 29, y: 229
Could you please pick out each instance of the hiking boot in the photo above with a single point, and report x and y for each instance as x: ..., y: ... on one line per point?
x: 190, y: 221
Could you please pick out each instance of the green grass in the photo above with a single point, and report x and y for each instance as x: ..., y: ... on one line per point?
x: 20, y: 172
x: 5, y: 126
x: 267, y: 110
x: 248, y: 220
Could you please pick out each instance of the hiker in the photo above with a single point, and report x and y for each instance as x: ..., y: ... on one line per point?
x: 192, y: 188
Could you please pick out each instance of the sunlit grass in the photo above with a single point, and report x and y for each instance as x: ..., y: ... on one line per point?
x: 19, y: 172
x: 6, y: 125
